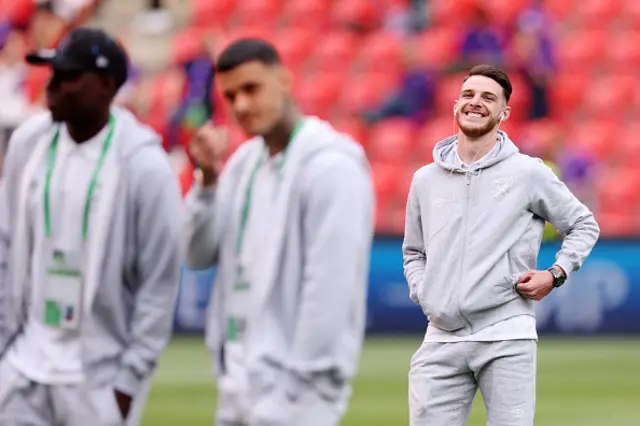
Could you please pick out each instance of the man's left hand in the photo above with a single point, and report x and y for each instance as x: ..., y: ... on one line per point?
x: 535, y: 285
x: 124, y: 403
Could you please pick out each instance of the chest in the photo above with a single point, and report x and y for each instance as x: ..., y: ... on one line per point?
x: 492, y: 197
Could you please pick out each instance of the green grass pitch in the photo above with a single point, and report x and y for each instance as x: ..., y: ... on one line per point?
x: 580, y: 383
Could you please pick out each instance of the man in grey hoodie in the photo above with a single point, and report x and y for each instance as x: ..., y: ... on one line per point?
x: 90, y: 248
x: 474, y: 225
x: 288, y: 223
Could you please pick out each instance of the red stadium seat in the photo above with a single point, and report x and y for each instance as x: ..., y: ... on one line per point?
x: 606, y: 95
x: 367, y: 91
x: 597, y: 13
x: 310, y: 13
x: 354, y: 127
x: 567, y: 92
x: 318, y: 94
x: 447, y: 13
x: 295, y: 45
x: 448, y: 91
x: 619, y: 190
x: 627, y: 147
x: 593, y: 138
x: 207, y: 13
x: 335, y: 51
x: 618, y: 224
x: 257, y: 12
x: 505, y: 11
x: 631, y: 12
x: 582, y: 50
x: 561, y: 10
x: 539, y: 138
x: 380, y: 52
x: 187, y: 44
x: 520, y: 101
x: 432, y: 133
x: 439, y: 46
x: 363, y: 14
x: 624, y: 51
x: 392, y: 141
x: 261, y: 30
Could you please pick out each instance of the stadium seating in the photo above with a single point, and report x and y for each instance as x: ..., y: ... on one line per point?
x: 347, y: 60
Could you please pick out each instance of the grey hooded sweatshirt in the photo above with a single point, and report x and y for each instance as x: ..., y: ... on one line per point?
x: 471, y: 233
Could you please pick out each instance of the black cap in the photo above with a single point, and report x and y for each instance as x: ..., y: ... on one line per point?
x: 85, y: 49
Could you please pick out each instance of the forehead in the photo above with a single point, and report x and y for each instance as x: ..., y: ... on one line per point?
x: 482, y: 84
x: 253, y: 72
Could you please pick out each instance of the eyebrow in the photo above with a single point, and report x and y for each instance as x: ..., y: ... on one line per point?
x: 483, y: 93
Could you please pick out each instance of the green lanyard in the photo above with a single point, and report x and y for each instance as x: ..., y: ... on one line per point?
x: 246, y: 206
x: 51, y: 161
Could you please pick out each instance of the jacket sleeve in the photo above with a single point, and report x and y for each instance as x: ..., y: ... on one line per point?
x: 8, y: 181
x: 202, y: 244
x: 159, y: 257
x: 413, y: 247
x: 338, y: 216
x: 553, y: 201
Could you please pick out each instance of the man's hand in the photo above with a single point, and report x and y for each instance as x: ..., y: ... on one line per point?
x: 207, y: 148
x: 535, y: 285
x: 124, y: 403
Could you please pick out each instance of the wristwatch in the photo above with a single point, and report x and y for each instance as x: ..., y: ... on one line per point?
x: 558, y: 277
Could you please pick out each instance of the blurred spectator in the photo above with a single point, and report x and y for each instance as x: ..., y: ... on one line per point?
x: 52, y: 19
x: 14, y: 108
x: 156, y: 20
x: 196, y: 106
x: 482, y: 43
x: 415, y: 94
x: 406, y: 20
x: 532, y: 56
x: 579, y: 174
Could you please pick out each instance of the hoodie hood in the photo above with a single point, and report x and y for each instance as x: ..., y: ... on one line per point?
x: 136, y: 134
x: 445, y: 155
x: 326, y: 137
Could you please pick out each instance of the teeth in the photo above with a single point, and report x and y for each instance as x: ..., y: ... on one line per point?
x: 474, y: 114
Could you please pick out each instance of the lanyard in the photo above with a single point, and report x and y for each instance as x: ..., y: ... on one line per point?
x: 246, y: 205
x: 51, y: 161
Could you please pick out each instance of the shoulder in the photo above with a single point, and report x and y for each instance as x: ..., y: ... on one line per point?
x: 531, y: 166
x: 337, y: 166
x: 31, y: 129
x: 424, y: 173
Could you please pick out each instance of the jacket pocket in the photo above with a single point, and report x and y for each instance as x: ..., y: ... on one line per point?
x: 438, y: 303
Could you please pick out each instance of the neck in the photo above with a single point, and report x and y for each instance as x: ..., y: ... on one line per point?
x: 279, y: 137
x: 472, y: 149
x: 82, y: 131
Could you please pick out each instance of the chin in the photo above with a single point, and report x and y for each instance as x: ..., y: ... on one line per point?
x: 477, y: 131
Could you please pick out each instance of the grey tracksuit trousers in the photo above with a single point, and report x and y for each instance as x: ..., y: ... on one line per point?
x: 444, y: 378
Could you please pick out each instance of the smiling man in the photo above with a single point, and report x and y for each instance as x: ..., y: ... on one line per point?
x: 474, y: 225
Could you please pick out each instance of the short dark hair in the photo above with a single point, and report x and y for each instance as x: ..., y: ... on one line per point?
x: 247, y: 50
x: 494, y: 74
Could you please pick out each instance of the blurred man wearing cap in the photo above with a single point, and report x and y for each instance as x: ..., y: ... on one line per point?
x: 90, y: 248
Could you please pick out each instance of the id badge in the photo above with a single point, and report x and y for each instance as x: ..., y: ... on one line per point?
x: 63, y: 289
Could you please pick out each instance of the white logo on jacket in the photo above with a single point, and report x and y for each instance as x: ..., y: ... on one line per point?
x: 501, y: 187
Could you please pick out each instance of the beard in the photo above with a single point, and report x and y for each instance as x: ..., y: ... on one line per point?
x: 474, y: 131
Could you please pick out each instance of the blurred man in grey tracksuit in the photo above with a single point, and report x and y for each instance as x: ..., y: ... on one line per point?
x: 289, y: 224
x: 90, y: 248
x: 474, y: 225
